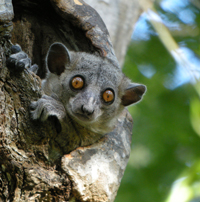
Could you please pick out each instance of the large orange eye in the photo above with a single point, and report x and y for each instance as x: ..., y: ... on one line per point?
x: 77, y: 82
x: 108, y: 96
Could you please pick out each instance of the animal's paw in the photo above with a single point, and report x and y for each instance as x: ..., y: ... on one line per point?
x: 19, y: 60
x: 47, y: 107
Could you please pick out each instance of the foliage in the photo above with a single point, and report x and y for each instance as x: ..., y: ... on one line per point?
x: 165, y: 145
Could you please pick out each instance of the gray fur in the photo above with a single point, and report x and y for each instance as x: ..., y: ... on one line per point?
x: 20, y: 57
x: 84, y: 107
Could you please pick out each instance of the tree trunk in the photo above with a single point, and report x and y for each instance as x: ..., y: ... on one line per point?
x: 29, y: 169
x: 119, y: 16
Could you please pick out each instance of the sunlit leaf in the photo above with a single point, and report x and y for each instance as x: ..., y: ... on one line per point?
x: 195, y: 114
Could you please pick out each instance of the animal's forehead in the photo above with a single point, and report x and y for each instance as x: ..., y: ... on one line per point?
x: 100, y: 69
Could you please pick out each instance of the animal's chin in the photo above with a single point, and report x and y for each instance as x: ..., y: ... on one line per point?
x: 82, y: 117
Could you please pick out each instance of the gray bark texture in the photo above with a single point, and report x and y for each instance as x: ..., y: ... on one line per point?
x: 29, y: 170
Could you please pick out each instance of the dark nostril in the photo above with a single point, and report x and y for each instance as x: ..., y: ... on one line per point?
x: 86, y: 110
x: 82, y: 109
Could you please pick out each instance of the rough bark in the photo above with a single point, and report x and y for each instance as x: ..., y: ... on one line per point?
x: 120, y: 17
x: 29, y: 170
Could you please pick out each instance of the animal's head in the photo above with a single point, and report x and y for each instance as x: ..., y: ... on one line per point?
x: 92, y: 90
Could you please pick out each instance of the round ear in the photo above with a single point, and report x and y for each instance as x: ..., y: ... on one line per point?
x: 58, y: 57
x: 133, y: 94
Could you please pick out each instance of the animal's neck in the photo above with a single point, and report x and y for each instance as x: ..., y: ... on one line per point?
x: 74, y: 135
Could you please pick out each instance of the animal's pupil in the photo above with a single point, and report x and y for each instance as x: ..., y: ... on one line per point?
x: 77, y: 83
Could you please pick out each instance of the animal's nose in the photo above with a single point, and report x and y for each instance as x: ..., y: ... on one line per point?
x: 87, y: 110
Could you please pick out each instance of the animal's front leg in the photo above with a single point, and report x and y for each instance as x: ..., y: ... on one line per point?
x: 19, y: 60
x: 48, y: 107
